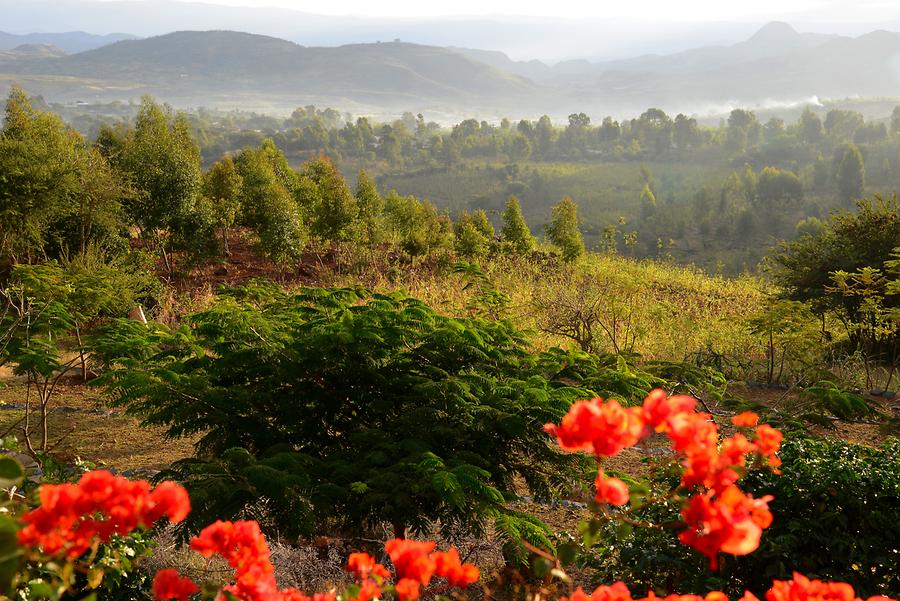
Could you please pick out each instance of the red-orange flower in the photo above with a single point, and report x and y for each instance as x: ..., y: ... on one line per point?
x: 243, y: 545
x: 168, y: 499
x: 368, y: 590
x: 731, y: 522
x: 801, y: 588
x: 745, y: 419
x: 72, y: 516
x: 578, y: 595
x: 768, y: 441
x: 408, y: 589
x: 658, y: 408
x: 411, y: 559
x: 364, y: 565
x: 614, y: 592
x: 448, y: 565
x: 169, y: 584
x: 603, y: 428
x: 611, y: 490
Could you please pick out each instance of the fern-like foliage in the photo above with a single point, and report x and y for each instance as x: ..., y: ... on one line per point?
x: 826, y: 398
x: 344, y: 409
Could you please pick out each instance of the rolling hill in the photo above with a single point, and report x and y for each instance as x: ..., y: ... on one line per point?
x: 32, y: 51
x: 219, y: 64
x: 70, y: 42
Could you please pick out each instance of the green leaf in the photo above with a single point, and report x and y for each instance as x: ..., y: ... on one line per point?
x: 541, y: 566
x: 11, y: 472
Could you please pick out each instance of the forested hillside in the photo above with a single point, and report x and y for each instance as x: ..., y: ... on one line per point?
x: 654, y: 186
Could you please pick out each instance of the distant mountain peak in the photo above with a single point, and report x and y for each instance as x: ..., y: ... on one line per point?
x: 33, y: 51
x: 774, y: 31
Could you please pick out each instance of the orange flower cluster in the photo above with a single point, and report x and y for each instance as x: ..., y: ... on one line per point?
x: 611, y: 490
x: 730, y: 521
x: 718, y: 515
x: 71, y: 517
x: 364, y: 566
x: 245, y: 549
x: 416, y: 562
x: 799, y: 588
x: 169, y: 584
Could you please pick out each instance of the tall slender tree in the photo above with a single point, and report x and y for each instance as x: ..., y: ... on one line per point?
x: 563, y: 230
x: 515, y: 232
x: 849, y: 172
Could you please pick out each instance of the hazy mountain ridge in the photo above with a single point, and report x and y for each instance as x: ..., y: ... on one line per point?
x: 775, y: 65
x: 70, y: 42
x: 835, y: 68
x: 518, y: 36
x: 771, y: 40
x: 392, y: 75
x: 32, y: 51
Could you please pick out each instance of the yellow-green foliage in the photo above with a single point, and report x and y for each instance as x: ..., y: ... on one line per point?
x: 676, y: 310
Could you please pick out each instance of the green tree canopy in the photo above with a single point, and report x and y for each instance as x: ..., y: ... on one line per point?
x: 776, y: 186
x: 57, y: 195
x: 515, y: 232
x: 474, y: 234
x: 849, y: 172
x: 333, y: 214
x: 268, y: 190
x: 563, y: 230
x: 849, y: 242
x: 810, y: 127
x: 161, y: 160
x: 371, y: 207
x: 416, y: 226
x: 222, y: 185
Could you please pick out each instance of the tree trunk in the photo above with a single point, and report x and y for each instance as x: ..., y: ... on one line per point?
x: 399, y: 529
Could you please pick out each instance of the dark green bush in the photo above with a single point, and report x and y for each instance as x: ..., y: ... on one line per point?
x: 343, y: 409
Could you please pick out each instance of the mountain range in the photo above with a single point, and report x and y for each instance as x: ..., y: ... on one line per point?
x: 225, y: 68
x: 69, y: 42
x: 546, y: 38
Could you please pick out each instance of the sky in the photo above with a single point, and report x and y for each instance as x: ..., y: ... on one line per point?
x: 680, y: 10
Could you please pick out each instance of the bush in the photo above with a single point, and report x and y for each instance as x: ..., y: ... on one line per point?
x: 836, y: 516
x: 343, y: 409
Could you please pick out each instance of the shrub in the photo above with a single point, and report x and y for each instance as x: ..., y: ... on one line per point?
x: 346, y: 409
x: 836, y: 514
